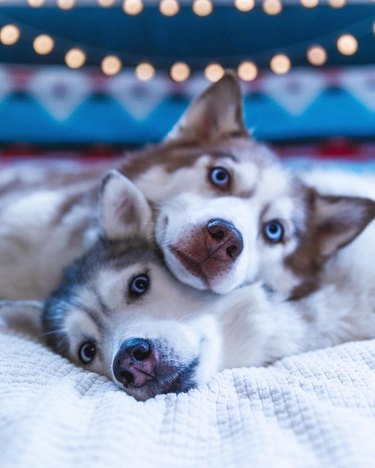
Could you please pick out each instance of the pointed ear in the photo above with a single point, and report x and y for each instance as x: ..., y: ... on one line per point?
x: 339, y: 220
x: 124, y: 210
x: 216, y: 113
x: 22, y: 316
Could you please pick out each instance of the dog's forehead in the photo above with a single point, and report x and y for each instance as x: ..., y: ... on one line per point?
x: 186, y: 168
x: 175, y: 155
x: 272, y: 184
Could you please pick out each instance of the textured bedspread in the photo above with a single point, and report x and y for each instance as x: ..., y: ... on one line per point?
x: 316, y: 409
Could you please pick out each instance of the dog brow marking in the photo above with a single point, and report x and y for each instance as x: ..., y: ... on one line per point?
x: 91, y: 313
x: 104, y: 307
x: 222, y: 154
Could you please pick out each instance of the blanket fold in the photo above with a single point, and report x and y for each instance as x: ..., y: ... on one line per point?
x: 315, y: 409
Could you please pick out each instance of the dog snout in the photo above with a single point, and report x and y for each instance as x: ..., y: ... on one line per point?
x: 224, y: 239
x: 134, y: 364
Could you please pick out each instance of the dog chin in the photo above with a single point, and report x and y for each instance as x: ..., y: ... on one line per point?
x: 182, y: 274
x: 180, y: 381
x: 221, y: 284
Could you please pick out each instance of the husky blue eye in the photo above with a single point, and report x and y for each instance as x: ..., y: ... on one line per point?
x: 87, y: 352
x: 219, y: 177
x: 273, y: 231
x: 139, y: 285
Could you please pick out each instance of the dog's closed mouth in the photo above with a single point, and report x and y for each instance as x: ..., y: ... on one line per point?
x: 181, y: 380
x: 191, y: 265
x: 176, y: 380
x: 207, y: 270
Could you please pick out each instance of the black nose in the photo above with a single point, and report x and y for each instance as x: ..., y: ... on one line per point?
x: 135, y: 362
x: 224, y: 236
x: 137, y: 348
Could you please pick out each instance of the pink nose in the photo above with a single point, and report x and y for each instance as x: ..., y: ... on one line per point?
x: 134, y: 364
x: 209, y: 251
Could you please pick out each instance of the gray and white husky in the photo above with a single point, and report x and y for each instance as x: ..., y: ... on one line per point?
x: 228, y: 212
x: 119, y: 312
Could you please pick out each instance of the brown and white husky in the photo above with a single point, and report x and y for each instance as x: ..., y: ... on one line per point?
x: 119, y: 312
x: 227, y: 212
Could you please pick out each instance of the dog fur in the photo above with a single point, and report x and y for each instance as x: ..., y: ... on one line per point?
x: 48, y: 218
x: 192, y: 334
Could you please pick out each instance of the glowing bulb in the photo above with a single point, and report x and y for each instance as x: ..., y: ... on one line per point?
x: 106, y: 3
x: 202, y: 7
x: 144, y: 71
x: 169, y: 7
x: 180, y: 71
x: 316, y: 55
x: 133, y: 7
x: 280, y: 64
x: 272, y: 7
x: 66, y: 4
x: 247, y: 71
x: 347, y: 44
x: 309, y: 3
x: 36, y: 3
x: 214, y: 72
x: 111, y: 65
x: 43, y: 44
x: 75, y: 58
x: 373, y: 27
x: 9, y: 34
x: 337, y: 3
x: 244, y: 5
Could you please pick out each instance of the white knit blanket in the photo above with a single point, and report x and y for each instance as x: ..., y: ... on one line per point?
x: 312, y: 410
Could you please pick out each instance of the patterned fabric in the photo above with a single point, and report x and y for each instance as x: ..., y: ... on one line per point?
x: 55, y: 105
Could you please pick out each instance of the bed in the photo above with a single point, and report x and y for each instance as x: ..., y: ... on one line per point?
x: 312, y: 410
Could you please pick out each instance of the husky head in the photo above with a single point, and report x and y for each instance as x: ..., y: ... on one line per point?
x: 281, y: 234
x: 229, y: 213
x: 120, y: 313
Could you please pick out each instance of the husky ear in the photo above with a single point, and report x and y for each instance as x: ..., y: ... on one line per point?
x: 217, y: 112
x: 124, y: 210
x: 22, y: 316
x: 339, y: 220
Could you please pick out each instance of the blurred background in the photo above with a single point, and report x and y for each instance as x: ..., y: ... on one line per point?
x: 89, y: 78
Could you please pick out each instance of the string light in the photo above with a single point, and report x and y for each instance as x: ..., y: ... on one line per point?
x: 180, y: 71
x: 9, y: 34
x: 106, y: 3
x: 144, y: 71
x: 36, y: 3
x: 133, y: 7
x: 272, y: 7
x: 111, y: 65
x: 337, y: 3
x: 66, y: 4
x: 309, y: 3
x: 213, y: 72
x: 43, y: 44
x: 75, y: 58
x: 169, y: 7
x: 347, y: 44
x: 202, y: 7
x: 280, y: 64
x: 244, y: 5
x: 247, y: 71
x: 316, y: 55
